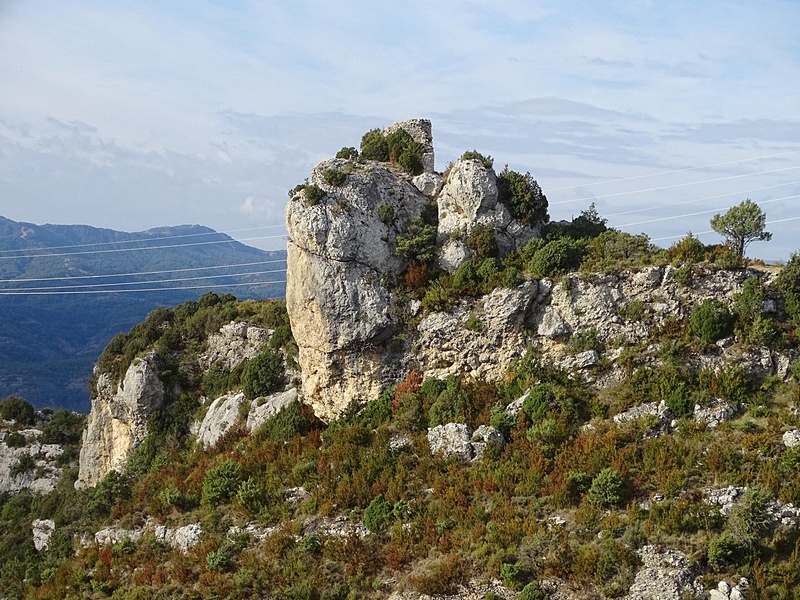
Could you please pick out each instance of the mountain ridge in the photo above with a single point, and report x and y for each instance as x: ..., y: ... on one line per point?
x: 51, y: 338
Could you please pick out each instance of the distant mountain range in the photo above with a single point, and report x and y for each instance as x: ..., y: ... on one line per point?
x: 66, y: 290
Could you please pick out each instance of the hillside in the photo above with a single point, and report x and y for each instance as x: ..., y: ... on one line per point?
x: 458, y: 399
x: 50, y: 341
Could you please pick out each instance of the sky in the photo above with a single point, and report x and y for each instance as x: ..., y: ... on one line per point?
x: 133, y: 115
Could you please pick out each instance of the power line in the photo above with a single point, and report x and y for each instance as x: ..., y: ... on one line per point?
x: 123, y: 283
x: 637, y: 210
x: 722, y: 164
x: 85, y: 252
x: 703, y: 212
x: 151, y: 239
x: 75, y: 277
x: 672, y: 237
x: 160, y: 289
x: 673, y: 186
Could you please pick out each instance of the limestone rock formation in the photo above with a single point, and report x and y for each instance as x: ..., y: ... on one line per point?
x: 42, y: 532
x: 118, y: 419
x: 456, y: 439
x: 665, y: 575
x: 470, y: 198
x: 33, y: 466
x: 341, y: 253
x: 221, y: 415
x: 420, y: 131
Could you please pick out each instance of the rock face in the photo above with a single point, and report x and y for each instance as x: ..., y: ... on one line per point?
x: 341, y: 253
x: 118, y: 420
x: 33, y: 466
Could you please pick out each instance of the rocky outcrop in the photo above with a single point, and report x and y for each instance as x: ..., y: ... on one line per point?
x: 665, y: 575
x: 447, y: 346
x: 470, y: 198
x: 791, y: 438
x: 221, y: 415
x: 234, y: 343
x: 420, y: 131
x: 42, y: 530
x: 341, y: 255
x: 118, y: 419
x: 456, y: 439
x: 32, y: 466
x: 227, y: 409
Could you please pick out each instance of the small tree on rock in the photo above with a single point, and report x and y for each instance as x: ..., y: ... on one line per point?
x: 741, y: 225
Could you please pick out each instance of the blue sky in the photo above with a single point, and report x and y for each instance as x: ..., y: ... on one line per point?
x: 133, y: 115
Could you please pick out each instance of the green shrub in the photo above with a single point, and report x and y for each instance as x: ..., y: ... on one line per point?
x: 532, y: 591
x: 25, y: 464
x: 314, y: 194
x: 263, y: 374
x: 512, y: 575
x: 17, y: 409
x: 347, y: 153
x: 386, y: 214
x: 679, y: 400
x: 378, y: 515
x: 522, y: 196
x: 482, y: 242
x: 606, y: 488
x: 418, y: 241
x: 585, y: 226
x: 556, y: 257
x: 486, y: 161
x: 221, y: 482
x: 374, y: 146
x: 710, y: 320
x: 335, y: 177
x: 722, y: 551
x: 541, y: 400
x: 295, y: 419
x: 688, y: 250
x: 221, y: 559
x: 614, y: 250
x: 63, y: 428
x: 15, y: 439
x: 437, y: 297
x: 583, y: 340
x: 404, y: 151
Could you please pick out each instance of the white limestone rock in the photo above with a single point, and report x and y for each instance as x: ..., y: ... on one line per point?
x: 666, y: 574
x: 42, y: 532
x: 234, y: 343
x: 718, y: 412
x: 181, y: 538
x: 44, y: 471
x: 451, y: 439
x: 791, y: 438
x: 339, y: 256
x: 267, y: 407
x: 429, y: 184
x: 482, y: 437
x: 118, y: 419
x: 221, y: 415
x: 453, y: 254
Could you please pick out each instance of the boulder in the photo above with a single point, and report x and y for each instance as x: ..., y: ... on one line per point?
x: 451, y: 439
x: 791, y: 438
x: 264, y: 408
x: 42, y: 532
x: 221, y: 415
